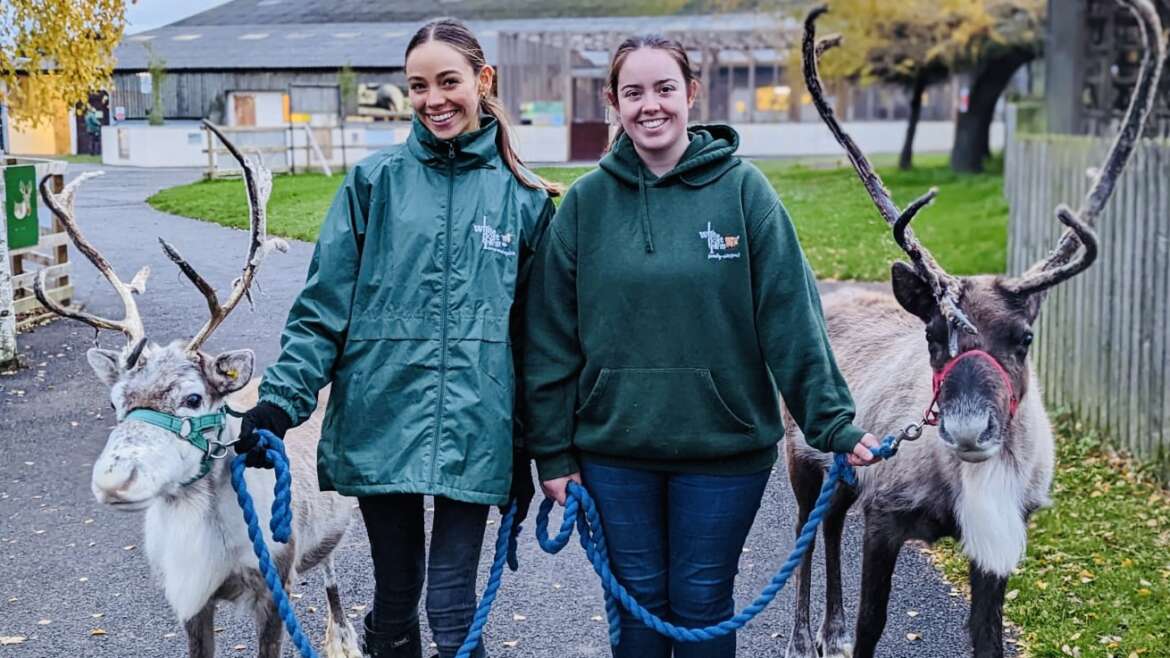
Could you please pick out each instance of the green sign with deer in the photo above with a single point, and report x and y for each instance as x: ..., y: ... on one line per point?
x: 20, y: 206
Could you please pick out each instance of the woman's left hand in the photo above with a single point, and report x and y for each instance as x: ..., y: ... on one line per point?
x: 862, y: 454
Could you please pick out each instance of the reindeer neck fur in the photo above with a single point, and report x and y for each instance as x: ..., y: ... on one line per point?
x: 196, y: 539
x: 876, y: 343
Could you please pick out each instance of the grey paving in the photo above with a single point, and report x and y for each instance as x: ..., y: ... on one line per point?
x: 69, y: 566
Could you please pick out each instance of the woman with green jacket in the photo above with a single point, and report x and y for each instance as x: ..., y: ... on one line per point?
x: 407, y: 311
x: 670, y: 303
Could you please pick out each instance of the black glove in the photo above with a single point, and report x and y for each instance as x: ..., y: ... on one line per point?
x: 263, y: 416
x: 522, y: 488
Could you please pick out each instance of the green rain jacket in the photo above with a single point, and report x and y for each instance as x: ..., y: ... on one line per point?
x: 407, y: 312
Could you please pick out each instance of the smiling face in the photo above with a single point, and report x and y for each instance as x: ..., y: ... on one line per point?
x: 653, y: 100
x: 444, y: 90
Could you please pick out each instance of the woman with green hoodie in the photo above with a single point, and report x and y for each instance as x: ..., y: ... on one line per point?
x: 408, y: 313
x: 670, y: 302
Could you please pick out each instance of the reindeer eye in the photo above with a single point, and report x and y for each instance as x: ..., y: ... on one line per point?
x: 1026, y: 339
x: 193, y: 401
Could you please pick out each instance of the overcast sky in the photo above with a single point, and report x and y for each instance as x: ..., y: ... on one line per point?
x: 149, y: 14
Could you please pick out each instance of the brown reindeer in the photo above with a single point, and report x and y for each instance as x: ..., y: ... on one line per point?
x: 985, y: 460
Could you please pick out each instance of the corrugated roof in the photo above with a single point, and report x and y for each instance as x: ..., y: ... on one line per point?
x: 376, y: 45
x: 309, y: 12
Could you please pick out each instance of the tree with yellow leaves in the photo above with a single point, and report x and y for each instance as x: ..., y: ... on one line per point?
x: 905, y: 43
x: 916, y: 43
x: 53, y: 53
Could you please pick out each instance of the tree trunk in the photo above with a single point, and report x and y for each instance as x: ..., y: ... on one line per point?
x: 973, y: 128
x: 906, y: 159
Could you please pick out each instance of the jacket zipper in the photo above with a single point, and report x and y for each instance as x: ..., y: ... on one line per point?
x: 446, y: 311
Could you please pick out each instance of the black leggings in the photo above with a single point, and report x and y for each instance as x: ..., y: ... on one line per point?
x: 395, y: 526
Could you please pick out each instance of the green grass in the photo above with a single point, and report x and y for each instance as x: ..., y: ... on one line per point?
x: 295, y: 209
x: 71, y: 158
x: 1096, y: 580
x: 840, y: 229
x: 79, y: 159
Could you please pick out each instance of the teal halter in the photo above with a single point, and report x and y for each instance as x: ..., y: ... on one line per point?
x: 191, y: 429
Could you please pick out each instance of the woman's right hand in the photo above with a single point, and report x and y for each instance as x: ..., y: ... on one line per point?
x: 558, y: 488
x: 263, y: 416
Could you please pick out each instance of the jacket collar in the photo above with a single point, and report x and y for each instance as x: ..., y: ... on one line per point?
x: 471, y: 150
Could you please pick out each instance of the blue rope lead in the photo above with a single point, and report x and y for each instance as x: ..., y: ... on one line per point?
x: 280, y: 525
x: 580, y: 510
x: 505, y: 551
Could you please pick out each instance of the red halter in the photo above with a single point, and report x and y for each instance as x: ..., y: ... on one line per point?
x: 931, y: 417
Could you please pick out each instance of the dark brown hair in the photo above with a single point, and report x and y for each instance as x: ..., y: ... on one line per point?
x: 454, y: 33
x: 656, y: 41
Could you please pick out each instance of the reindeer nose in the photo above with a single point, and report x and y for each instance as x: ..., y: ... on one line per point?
x: 969, y: 431
x: 113, y: 485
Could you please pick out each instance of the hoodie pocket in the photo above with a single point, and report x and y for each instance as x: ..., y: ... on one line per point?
x: 670, y: 412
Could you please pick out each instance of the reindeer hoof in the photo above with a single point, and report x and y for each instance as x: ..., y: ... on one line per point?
x: 800, y: 649
x: 341, y: 640
x: 839, y: 647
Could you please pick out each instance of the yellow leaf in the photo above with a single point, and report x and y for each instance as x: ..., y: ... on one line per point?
x: 97, y: 632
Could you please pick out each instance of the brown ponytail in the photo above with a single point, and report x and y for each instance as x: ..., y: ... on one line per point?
x: 454, y: 33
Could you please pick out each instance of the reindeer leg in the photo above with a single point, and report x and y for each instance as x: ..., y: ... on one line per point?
x: 986, y: 621
x: 340, y: 639
x: 270, y: 630
x: 883, y: 541
x: 201, y: 632
x: 269, y: 625
x: 834, y: 638
x: 806, y: 478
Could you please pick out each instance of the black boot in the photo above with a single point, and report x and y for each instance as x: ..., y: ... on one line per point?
x: 405, y: 644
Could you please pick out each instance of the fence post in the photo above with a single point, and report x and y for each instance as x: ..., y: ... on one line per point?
x: 7, y: 305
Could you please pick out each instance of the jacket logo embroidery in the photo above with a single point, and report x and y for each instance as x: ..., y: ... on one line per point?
x: 493, y: 240
x: 718, y: 245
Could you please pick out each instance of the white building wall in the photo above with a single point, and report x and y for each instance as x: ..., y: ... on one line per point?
x: 182, y: 144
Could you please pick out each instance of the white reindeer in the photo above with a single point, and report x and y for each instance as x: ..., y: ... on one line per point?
x: 989, y: 463
x: 195, y: 536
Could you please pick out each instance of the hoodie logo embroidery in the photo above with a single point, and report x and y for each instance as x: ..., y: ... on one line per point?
x: 718, y: 245
x: 493, y: 240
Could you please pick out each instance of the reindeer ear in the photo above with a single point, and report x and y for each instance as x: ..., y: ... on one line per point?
x: 1032, y: 305
x: 230, y: 371
x: 106, y: 364
x: 912, y: 292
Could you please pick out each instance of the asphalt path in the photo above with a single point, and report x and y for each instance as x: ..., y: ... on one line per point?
x: 74, y: 580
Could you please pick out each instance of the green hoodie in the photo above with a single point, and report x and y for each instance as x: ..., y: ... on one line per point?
x: 666, y: 313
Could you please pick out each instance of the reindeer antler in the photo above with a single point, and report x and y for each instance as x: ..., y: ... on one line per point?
x: 258, y: 183
x: 1059, y: 265
x: 944, y: 286
x: 62, y: 206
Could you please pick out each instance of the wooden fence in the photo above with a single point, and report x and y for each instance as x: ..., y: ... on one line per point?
x: 1103, y: 339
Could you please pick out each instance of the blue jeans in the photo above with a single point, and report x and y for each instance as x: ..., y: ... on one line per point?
x: 675, y: 541
x: 394, y: 523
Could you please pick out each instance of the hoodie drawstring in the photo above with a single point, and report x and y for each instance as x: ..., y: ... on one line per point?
x: 647, y: 235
